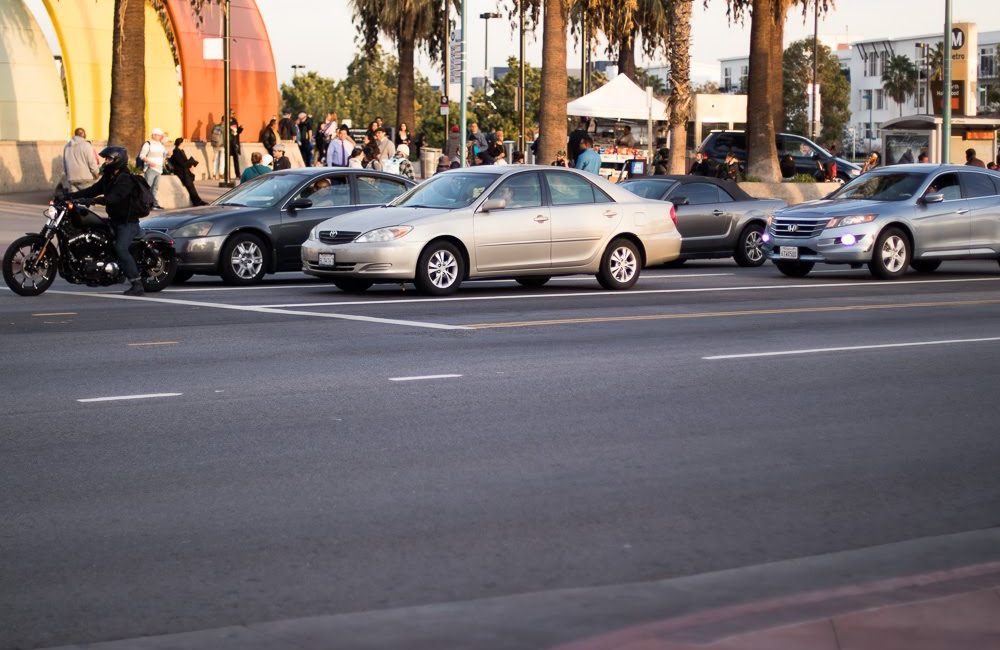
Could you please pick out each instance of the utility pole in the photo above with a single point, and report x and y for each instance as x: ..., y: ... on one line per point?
x: 226, y: 131
x: 946, y: 98
x: 446, y: 67
x: 813, y: 91
x: 465, y: 75
x: 521, y: 140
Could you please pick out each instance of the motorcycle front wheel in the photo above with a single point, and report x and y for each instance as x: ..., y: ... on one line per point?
x: 158, y: 270
x: 23, y: 272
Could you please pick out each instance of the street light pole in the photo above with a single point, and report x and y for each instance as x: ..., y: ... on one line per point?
x: 946, y: 98
x: 446, y: 68
x: 522, y: 141
x: 295, y: 69
x: 812, y: 91
x: 465, y: 76
x: 226, y: 130
x: 486, y: 46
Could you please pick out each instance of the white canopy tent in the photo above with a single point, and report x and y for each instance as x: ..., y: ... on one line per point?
x: 621, y: 99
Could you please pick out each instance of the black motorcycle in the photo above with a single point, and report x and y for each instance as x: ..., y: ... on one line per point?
x: 79, y: 245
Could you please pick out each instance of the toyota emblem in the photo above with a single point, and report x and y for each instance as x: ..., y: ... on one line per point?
x: 333, y: 233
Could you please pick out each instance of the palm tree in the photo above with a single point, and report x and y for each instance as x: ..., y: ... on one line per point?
x: 899, y: 79
x: 552, y: 116
x: 410, y: 24
x: 679, y: 47
x: 128, y: 77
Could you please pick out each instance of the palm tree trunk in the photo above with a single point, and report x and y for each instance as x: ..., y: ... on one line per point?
x: 552, y: 114
x: 405, y: 97
x: 679, y: 45
x: 776, y: 82
x: 626, y: 55
x: 762, y: 153
x: 128, y: 75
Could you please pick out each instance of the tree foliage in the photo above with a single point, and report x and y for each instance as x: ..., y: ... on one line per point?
x: 899, y: 79
x: 835, y: 90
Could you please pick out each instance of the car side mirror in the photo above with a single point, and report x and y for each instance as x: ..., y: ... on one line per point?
x: 680, y: 200
x: 493, y: 204
x: 934, y: 197
x: 299, y: 204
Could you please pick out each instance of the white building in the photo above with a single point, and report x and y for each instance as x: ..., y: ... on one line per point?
x: 863, y: 63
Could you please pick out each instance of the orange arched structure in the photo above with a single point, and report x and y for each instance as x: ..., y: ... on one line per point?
x: 253, y: 80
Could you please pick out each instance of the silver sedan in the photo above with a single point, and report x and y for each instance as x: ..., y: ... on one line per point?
x: 891, y: 219
x: 525, y: 222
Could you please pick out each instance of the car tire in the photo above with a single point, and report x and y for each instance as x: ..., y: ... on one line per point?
x: 244, y: 260
x: 182, y: 276
x: 750, y: 247
x: 620, y: 266
x: 794, y: 269
x: 891, y: 254
x: 352, y: 285
x: 533, y: 282
x: 925, y: 266
x: 440, y: 269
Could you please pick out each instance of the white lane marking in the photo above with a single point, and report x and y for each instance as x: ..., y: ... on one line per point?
x: 419, y: 377
x: 631, y: 292
x: 126, y: 397
x: 325, y: 285
x: 268, y: 310
x: 57, y: 313
x: 781, y: 353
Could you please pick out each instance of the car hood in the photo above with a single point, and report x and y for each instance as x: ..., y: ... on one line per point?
x: 381, y: 217
x: 833, y: 207
x: 190, y: 215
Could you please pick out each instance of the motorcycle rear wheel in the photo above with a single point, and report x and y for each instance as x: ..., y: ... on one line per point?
x: 158, y: 270
x: 21, y: 271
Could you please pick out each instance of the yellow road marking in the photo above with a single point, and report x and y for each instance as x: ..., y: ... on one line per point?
x: 151, y: 344
x: 724, y: 314
x: 57, y: 313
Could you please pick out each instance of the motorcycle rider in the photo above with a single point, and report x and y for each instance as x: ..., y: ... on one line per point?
x: 115, y: 186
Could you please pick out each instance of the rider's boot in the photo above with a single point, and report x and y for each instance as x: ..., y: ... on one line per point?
x: 136, y: 288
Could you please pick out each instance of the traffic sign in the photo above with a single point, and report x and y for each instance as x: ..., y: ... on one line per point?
x: 457, y: 58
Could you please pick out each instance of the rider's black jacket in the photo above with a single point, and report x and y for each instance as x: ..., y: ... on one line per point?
x: 117, y: 190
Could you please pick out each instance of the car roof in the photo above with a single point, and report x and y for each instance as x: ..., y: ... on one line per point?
x: 354, y: 171
x: 685, y: 179
x: 933, y: 168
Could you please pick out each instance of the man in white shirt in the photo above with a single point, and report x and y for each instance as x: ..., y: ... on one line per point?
x: 152, y: 155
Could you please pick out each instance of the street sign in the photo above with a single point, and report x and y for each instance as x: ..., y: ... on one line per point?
x: 457, y: 58
x: 445, y: 107
x: 212, y: 49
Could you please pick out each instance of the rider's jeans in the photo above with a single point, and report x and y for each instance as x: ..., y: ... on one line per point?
x: 124, y: 234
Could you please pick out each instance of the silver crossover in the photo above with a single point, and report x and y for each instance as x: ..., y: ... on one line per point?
x: 890, y: 219
x: 521, y: 222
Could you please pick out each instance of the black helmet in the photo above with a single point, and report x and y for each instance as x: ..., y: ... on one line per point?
x: 116, y: 159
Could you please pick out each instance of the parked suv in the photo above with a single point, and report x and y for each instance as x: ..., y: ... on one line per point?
x: 804, y: 152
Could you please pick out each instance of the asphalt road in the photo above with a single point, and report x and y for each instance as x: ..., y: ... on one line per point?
x: 306, y: 452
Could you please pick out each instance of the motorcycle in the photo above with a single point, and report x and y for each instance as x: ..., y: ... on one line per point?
x: 78, y: 244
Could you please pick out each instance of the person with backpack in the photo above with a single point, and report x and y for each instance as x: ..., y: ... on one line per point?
x: 219, y: 164
x: 399, y: 163
x: 151, y: 158
x: 127, y: 198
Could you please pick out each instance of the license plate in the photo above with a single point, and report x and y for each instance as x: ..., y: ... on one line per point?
x: 786, y: 253
x: 326, y: 259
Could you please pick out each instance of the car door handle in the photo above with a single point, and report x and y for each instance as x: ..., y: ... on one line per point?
x: 610, y: 213
x: 541, y: 219
x: 718, y: 213
x: 966, y: 211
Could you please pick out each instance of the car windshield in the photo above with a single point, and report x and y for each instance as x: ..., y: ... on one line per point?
x: 896, y: 186
x: 450, y: 191
x: 648, y: 189
x: 262, y: 192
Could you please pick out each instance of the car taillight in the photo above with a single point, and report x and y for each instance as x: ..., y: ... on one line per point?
x: 673, y: 214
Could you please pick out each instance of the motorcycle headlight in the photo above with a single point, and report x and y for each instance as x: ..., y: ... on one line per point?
x: 383, y: 234
x: 50, y: 212
x: 853, y: 220
x: 197, y: 229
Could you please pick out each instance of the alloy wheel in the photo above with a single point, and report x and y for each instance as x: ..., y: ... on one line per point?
x: 247, y: 260
x: 622, y: 264
x: 894, y: 254
x: 754, y: 247
x: 442, y: 269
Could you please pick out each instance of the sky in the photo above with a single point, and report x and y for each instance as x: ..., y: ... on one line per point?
x: 320, y: 35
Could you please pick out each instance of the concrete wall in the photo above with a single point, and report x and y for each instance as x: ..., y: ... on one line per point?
x: 791, y: 193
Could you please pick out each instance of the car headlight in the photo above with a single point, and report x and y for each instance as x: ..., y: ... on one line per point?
x: 314, y: 233
x: 197, y: 229
x: 853, y: 220
x: 770, y: 219
x: 383, y: 234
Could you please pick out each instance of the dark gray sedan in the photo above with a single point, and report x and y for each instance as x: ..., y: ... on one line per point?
x: 258, y: 227
x: 715, y: 218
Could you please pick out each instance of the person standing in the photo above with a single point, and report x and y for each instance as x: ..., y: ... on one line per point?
x: 234, y: 144
x: 700, y: 167
x: 573, y: 148
x: 626, y: 139
x: 152, y: 154
x: 402, y: 135
x: 268, y: 137
x: 339, y: 151
x: 257, y: 168
x: 386, y: 149
x: 286, y: 127
x: 80, y: 162
x: 305, y: 139
x: 116, y: 184
x: 477, y: 138
x: 182, y: 169
x: 588, y: 160
x: 730, y: 169
x: 219, y: 160
x: 281, y: 161
x: 971, y: 160
x: 454, y: 145
x: 357, y: 159
x: 402, y: 158
x: 372, y: 157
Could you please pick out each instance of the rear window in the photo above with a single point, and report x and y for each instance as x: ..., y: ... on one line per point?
x: 977, y: 185
x: 647, y: 189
